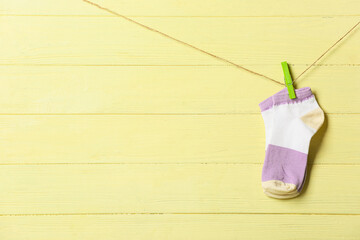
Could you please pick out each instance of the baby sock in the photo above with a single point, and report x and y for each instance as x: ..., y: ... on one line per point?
x: 289, y: 127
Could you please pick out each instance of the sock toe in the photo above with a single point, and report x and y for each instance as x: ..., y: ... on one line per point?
x: 285, y: 196
x: 279, y: 187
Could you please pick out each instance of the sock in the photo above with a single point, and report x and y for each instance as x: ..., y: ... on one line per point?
x: 289, y: 127
x: 268, y: 121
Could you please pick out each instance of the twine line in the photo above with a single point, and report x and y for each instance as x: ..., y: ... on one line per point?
x: 213, y: 55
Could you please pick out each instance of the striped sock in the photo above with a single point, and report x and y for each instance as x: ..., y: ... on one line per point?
x: 289, y: 127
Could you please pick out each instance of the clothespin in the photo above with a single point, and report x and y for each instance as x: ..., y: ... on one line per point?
x: 288, y: 80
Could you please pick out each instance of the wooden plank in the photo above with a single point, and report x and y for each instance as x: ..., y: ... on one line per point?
x: 107, y: 130
x: 171, y: 89
x: 161, y: 139
x: 209, y: 227
x: 47, y: 8
x: 169, y: 188
x: 184, y: 8
x: 109, y: 41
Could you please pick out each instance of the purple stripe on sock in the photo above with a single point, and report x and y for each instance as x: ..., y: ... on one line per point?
x: 282, y: 97
x: 284, y: 164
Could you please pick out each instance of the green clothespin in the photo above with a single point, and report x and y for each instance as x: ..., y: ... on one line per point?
x: 288, y: 80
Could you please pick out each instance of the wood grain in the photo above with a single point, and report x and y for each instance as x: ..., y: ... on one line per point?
x: 173, y: 8
x: 160, y: 139
x: 110, y: 131
x: 171, y: 89
x: 178, y: 227
x: 101, y: 41
x: 169, y: 188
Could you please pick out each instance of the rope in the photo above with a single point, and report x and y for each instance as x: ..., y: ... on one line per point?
x: 213, y: 55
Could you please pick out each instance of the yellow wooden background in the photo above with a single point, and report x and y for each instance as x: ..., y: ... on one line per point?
x: 111, y: 131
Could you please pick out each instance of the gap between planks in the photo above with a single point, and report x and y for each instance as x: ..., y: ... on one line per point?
x: 152, y: 114
x: 170, y: 65
x: 161, y: 163
x: 181, y: 16
x: 171, y: 213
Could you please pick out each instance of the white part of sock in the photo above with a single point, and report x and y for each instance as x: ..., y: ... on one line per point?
x: 287, y: 127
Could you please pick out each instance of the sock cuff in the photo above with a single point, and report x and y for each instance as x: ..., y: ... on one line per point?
x: 282, y: 97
